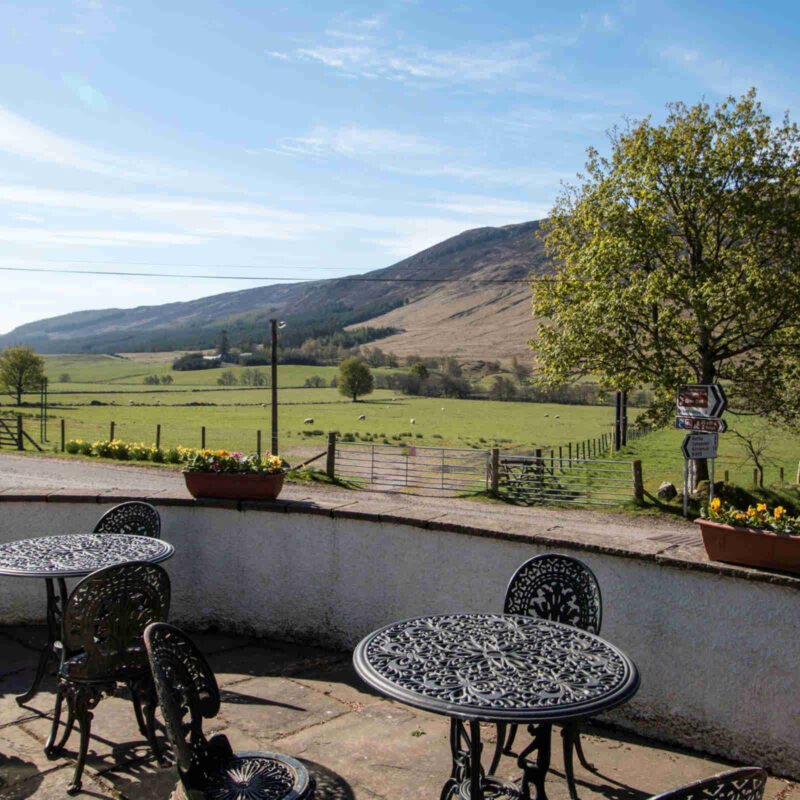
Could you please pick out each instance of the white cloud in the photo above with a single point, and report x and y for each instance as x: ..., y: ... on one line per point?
x: 401, y: 62
x: 53, y: 237
x: 24, y: 139
x: 504, y: 211
x: 359, y: 142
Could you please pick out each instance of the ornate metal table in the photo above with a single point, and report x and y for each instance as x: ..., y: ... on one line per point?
x: 56, y: 558
x: 496, y: 668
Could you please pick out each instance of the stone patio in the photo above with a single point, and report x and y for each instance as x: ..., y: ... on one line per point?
x: 307, y: 702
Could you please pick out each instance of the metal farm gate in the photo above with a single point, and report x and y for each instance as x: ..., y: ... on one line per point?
x: 543, y: 479
x: 438, y: 468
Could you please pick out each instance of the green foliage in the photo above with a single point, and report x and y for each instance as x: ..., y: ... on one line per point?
x: 676, y: 259
x: 228, y: 378
x: 21, y: 370
x: 193, y: 361
x: 420, y: 370
x: 223, y: 345
x: 355, y: 378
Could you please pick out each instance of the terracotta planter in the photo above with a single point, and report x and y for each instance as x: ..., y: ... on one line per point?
x: 238, y: 487
x: 750, y: 547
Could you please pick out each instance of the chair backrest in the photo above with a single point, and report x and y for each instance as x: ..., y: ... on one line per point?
x: 185, y: 685
x: 134, y: 517
x: 559, y: 588
x: 746, y: 783
x: 107, y: 612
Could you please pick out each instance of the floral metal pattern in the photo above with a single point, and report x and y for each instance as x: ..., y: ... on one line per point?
x: 187, y: 688
x: 496, y: 667
x: 134, y: 517
x: 77, y: 554
x: 739, y: 784
x: 556, y: 587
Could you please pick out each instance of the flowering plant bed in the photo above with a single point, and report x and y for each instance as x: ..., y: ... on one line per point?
x: 218, y: 473
x: 754, y: 538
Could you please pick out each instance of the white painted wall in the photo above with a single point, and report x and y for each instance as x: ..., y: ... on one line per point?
x: 719, y: 656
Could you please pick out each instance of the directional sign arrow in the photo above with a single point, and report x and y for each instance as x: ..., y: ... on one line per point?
x: 701, y: 400
x: 701, y: 424
x: 700, y: 445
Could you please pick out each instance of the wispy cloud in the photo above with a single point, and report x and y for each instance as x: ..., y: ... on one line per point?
x: 24, y: 139
x: 353, y: 141
x: 89, y: 96
x: 727, y: 77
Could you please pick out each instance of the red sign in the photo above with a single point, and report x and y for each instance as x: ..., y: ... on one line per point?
x: 693, y: 397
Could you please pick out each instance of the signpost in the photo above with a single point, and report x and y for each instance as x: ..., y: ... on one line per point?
x: 699, y: 407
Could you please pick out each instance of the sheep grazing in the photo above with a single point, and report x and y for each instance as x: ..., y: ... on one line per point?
x: 442, y: 409
x: 308, y: 421
x: 558, y: 416
x: 362, y: 416
x: 413, y: 421
x: 547, y: 415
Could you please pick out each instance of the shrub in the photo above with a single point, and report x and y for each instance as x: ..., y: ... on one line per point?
x: 102, y: 449
x: 173, y: 456
x: 139, y: 452
x: 157, y: 455
x: 120, y: 450
x: 73, y: 446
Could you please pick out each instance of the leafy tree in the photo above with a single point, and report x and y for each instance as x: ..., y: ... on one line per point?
x: 21, y: 370
x: 151, y: 380
x: 520, y: 369
x: 451, y: 367
x: 167, y: 379
x: 420, y: 370
x: 315, y: 381
x: 355, y: 378
x: 64, y: 377
x: 502, y: 389
x: 223, y: 345
x: 228, y: 378
x: 676, y: 259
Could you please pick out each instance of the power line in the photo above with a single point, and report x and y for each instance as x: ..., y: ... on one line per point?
x: 357, y: 278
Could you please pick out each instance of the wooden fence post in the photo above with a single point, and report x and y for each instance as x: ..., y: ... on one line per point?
x: 638, y: 483
x: 755, y: 476
x: 258, y: 442
x: 63, y: 435
x: 569, y: 446
x: 203, y: 437
x: 111, y: 432
x: 494, y: 469
x: 158, y: 436
x: 330, y: 463
x: 781, y: 476
x: 20, y: 446
x: 727, y: 477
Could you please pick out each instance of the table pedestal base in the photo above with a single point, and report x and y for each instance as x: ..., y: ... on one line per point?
x: 53, y: 647
x: 468, y: 780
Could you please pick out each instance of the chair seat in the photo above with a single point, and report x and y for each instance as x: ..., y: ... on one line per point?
x: 256, y: 776
x: 119, y: 667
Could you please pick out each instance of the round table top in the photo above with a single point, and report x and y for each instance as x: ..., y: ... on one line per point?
x: 77, y: 554
x: 496, y: 667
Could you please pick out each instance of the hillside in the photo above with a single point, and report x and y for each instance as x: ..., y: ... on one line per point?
x: 454, y: 298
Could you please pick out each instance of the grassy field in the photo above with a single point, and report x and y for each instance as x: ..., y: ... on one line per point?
x: 103, y: 389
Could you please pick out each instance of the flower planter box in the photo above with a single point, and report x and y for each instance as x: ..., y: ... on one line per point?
x: 750, y: 547
x: 232, y: 486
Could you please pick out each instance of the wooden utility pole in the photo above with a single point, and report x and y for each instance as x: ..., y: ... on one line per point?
x: 274, y: 327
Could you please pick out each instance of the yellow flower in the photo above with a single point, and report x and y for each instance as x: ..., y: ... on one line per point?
x: 739, y: 515
x: 761, y: 507
x: 780, y: 511
x: 715, y: 504
x: 751, y: 512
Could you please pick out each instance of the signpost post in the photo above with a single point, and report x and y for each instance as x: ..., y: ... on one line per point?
x: 699, y: 408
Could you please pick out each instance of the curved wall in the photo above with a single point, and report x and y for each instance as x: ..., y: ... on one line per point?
x: 717, y: 648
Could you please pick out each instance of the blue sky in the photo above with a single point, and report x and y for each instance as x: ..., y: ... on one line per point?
x: 312, y: 140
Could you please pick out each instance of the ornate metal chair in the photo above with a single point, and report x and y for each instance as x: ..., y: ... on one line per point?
x: 134, y: 517
x: 102, y: 627
x: 746, y: 783
x: 562, y: 589
x: 208, y: 767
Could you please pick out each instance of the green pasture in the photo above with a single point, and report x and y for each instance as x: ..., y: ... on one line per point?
x: 91, y: 370
x: 660, y: 454
x: 233, y: 416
